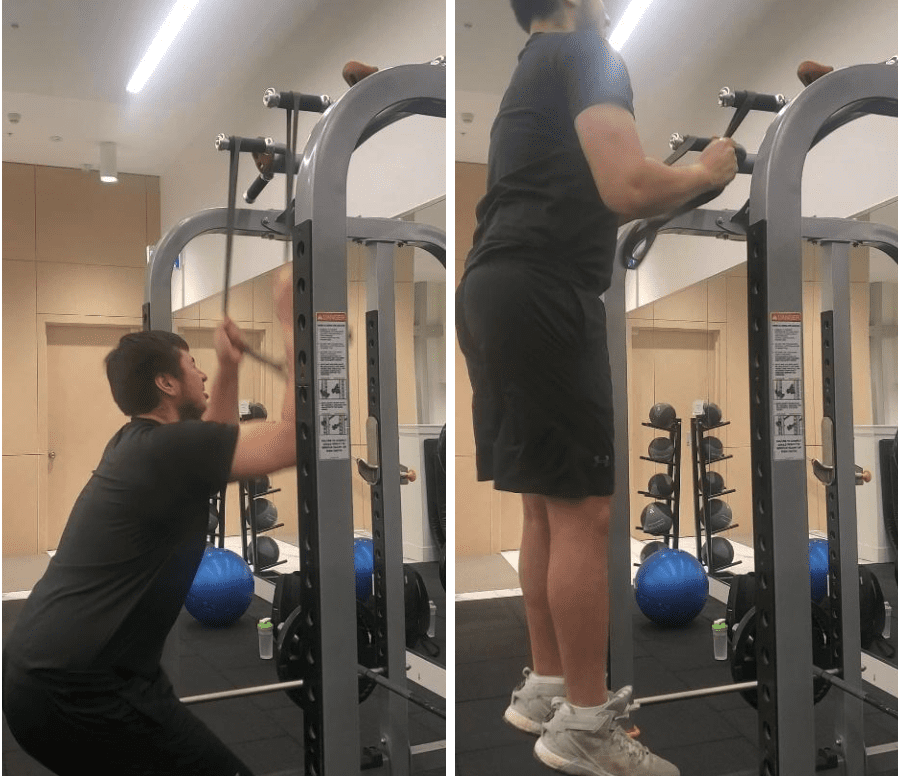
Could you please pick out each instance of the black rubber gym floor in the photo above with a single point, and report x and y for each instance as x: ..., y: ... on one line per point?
x: 265, y: 731
x: 703, y: 737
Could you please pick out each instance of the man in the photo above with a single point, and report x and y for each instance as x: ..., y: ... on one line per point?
x: 566, y: 167
x: 83, y: 690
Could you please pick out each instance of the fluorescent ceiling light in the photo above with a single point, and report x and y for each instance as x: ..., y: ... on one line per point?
x: 628, y: 23
x: 167, y: 32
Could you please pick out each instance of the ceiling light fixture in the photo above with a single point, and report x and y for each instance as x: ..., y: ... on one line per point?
x: 628, y: 23
x: 167, y: 32
x: 108, y: 166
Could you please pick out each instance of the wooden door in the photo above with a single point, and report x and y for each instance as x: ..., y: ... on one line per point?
x: 81, y: 415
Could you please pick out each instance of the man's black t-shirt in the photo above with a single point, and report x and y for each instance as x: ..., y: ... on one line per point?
x: 542, y: 205
x: 127, y: 556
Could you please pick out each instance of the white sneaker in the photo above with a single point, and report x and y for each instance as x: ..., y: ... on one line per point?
x: 592, y: 743
x: 531, y: 702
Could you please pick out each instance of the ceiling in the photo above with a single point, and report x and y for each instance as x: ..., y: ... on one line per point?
x: 66, y: 63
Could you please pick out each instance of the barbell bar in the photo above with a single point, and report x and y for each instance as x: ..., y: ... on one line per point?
x: 826, y: 676
x: 261, y: 689
x: 243, y: 691
x: 651, y: 700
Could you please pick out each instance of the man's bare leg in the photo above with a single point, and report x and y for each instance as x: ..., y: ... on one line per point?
x: 577, y: 593
x: 533, y: 571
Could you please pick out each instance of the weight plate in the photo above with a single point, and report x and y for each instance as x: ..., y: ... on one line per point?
x: 743, y: 663
x: 293, y: 658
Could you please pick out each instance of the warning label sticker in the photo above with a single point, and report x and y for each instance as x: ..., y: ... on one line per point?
x: 332, y: 382
x: 788, y: 386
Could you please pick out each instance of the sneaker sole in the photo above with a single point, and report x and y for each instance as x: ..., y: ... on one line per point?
x: 519, y: 721
x: 559, y: 763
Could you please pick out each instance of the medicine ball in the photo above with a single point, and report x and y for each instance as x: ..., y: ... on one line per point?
x: 213, y: 521
x: 713, y: 484
x: 818, y: 562
x: 266, y: 514
x: 671, y: 587
x: 661, y: 485
x: 721, y: 552
x: 363, y: 559
x: 650, y: 548
x: 712, y: 448
x: 222, y: 588
x: 268, y: 552
x: 656, y: 519
x: 720, y: 513
x: 662, y: 415
x: 711, y: 414
x: 661, y: 449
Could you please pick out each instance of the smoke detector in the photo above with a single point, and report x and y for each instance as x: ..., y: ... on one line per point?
x: 14, y: 118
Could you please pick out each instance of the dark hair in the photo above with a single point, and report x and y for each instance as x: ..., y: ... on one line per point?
x: 525, y: 11
x: 134, y: 364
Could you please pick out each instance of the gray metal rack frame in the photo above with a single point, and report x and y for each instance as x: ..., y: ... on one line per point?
x: 774, y: 229
x: 319, y: 235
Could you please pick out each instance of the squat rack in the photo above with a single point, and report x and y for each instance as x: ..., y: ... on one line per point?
x: 774, y: 229
x: 318, y: 228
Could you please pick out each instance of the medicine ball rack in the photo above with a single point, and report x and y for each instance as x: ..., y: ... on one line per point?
x: 318, y: 228
x: 702, y: 498
x: 671, y: 537
x: 772, y: 224
x: 250, y: 528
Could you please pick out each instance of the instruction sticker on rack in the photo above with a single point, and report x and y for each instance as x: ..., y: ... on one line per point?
x: 332, y: 384
x: 788, y: 386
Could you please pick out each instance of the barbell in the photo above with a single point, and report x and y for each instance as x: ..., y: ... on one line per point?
x: 743, y: 669
x: 292, y: 659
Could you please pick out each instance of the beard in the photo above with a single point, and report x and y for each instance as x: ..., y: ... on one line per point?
x: 190, y: 411
x: 590, y: 17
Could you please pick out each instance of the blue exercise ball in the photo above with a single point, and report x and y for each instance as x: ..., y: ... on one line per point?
x: 222, y: 589
x: 671, y: 587
x: 364, y: 567
x: 818, y: 560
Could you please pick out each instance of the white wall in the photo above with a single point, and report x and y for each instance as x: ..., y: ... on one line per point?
x: 398, y: 169
x: 852, y: 171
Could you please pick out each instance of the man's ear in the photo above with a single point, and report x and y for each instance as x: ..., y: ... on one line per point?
x: 167, y: 384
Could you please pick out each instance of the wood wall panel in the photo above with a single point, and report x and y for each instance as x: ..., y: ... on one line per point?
x: 19, y: 358
x: 81, y: 221
x: 20, y: 499
x: 18, y: 212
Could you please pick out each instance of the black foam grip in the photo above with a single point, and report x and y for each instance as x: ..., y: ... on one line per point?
x: 255, y: 189
x: 314, y: 103
x: 764, y: 102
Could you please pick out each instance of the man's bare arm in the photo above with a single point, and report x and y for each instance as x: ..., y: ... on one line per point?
x: 631, y: 184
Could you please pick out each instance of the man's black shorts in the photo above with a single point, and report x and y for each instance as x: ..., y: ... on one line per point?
x: 537, y: 355
x: 111, y: 726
